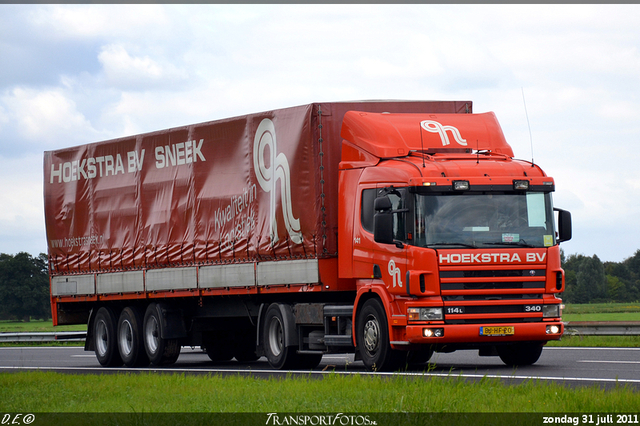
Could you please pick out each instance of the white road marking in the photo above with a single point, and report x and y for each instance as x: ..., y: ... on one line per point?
x: 334, y: 372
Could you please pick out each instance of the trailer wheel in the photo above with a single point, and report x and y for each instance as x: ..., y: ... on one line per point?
x: 520, y: 353
x: 278, y: 354
x: 104, y: 332
x: 160, y: 351
x: 372, y: 334
x: 130, y: 342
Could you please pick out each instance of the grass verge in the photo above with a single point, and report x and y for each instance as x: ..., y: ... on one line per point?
x: 37, y: 326
x: 54, y: 392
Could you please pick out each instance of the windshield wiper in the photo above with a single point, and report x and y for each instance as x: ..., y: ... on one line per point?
x: 520, y: 243
x: 452, y: 244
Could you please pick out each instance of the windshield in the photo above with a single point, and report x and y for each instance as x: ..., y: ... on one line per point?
x: 484, y: 219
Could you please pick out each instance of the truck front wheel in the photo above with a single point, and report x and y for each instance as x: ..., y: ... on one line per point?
x: 372, y: 334
x: 519, y: 354
x: 104, y: 332
x: 130, y: 342
x: 160, y: 351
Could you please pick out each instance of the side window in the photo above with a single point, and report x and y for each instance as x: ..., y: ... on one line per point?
x: 366, y: 208
x: 398, y: 219
x: 367, y: 212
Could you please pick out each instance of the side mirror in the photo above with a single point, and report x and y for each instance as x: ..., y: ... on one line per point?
x: 383, y: 220
x: 382, y: 204
x: 564, y: 225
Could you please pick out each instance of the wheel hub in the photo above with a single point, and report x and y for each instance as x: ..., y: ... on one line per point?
x: 276, y: 337
x: 371, y: 335
x: 126, y: 337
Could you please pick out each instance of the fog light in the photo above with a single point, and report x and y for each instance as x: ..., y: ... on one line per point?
x: 553, y: 329
x: 433, y: 332
x: 521, y: 185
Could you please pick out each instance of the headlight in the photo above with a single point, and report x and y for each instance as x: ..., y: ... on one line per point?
x: 425, y: 314
x: 551, y: 311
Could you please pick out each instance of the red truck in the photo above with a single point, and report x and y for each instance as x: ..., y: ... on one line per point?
x: 389, y: 229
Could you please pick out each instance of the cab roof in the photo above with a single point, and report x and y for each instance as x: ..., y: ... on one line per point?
x: 392, y: 135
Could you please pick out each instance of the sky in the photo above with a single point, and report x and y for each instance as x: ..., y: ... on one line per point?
x: 563, y: 80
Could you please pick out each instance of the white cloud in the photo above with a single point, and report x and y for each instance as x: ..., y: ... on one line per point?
x: 116, y: 70
x: 21, y: 216
x: 102, y: 21
x: 43, y: 118
x: 136, y: 73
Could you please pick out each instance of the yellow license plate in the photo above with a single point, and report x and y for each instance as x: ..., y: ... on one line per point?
x: 497, y: 331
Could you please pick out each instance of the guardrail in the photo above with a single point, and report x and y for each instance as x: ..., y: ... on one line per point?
x: 602, y: 328
x: 62, y: 336
x: 574, y: 328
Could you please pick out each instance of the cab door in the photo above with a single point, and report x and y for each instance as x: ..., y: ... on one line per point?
x: 375, y: 260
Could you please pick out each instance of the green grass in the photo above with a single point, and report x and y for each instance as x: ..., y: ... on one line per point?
x: 602, y: 312
x: 597, y: 341
x: 37, y: 326
x: 608, y: 316
x: 54, y: 392
x: 599, y: 308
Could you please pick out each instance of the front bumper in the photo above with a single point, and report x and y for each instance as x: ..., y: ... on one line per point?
x: 470, y: 333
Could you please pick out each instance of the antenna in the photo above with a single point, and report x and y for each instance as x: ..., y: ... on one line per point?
x: 528, y: 125
x: 422, y: 147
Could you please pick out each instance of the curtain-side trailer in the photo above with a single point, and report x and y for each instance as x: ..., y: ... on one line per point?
x: 388, y: 228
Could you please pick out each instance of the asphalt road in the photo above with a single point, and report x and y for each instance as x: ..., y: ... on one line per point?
x: 605, y: 367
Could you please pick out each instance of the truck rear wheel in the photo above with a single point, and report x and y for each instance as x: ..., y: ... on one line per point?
x: 104, y: 333
x: 274, y: 335
x: 372, y: 334
x: 130, y: 342
x: 519, y: 354
x: 160, y: 351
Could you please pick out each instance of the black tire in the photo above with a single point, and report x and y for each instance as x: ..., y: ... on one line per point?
x: 279, y: 355
x: 519, y: 354
x: 419, y: 357
x: 130, y: 343
x: 218, y: 353
x: 245, y: 350
x: 160, y: 351
x: 372, y: 339
x: 308, y: 361
x: 104, y: 334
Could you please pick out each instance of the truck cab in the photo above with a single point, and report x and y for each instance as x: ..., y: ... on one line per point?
x: 453, y: 243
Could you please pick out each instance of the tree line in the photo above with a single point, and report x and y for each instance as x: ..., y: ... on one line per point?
x: 24, y: 283
x: 589, y: 280
x: 24, y: 287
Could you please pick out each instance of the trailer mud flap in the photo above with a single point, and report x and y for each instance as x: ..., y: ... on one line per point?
x: 172, y: 323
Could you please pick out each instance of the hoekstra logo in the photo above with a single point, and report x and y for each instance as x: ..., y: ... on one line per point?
x: 435, y: 127
x: 270, y: 176
x: 395, y: 273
